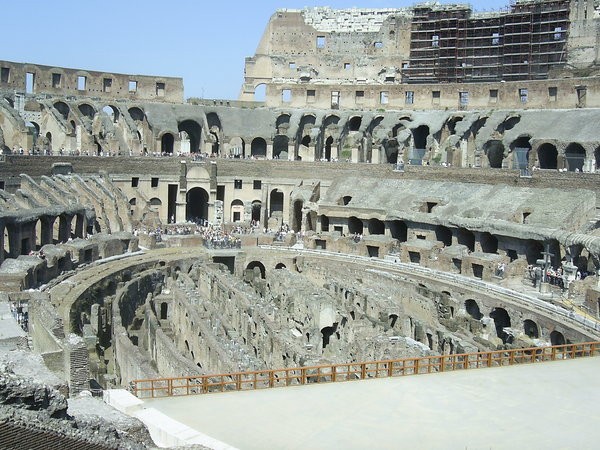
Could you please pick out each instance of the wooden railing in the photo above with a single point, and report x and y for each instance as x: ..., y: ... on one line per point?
x: 263, y: 379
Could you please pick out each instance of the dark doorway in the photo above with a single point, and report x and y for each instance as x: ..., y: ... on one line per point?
x: 197, y: 204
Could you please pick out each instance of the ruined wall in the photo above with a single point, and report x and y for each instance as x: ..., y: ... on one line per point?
x: 77, y: 82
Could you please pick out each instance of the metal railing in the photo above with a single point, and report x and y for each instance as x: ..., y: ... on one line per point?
x: 264, y: 379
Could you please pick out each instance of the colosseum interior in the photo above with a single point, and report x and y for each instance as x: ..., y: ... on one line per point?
x: 402, y: 190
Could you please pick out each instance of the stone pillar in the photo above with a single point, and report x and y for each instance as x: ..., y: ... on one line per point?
x: 80, y: 225
x: 64, y: 227
x: 2, y: 227
x: 47, y: 229
x: 291, y: 152
x: 270, y: 151
x: 14, y: 240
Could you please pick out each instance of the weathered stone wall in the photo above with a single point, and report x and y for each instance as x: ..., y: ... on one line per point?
x: 109, y: 86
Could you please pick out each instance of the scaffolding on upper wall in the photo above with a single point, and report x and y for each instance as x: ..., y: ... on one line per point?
x: 450, y: 44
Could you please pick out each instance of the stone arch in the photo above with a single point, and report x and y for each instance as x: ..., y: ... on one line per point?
x: 280, y: 266
x: 521, y: 149
x: 280, y: 147
x: 509, y: 123
x: 87, y: 110
x: 258, y: 148
x: 399, y: 230
x: 547, y: 156
x: 495, y: 153
x: 466, y: 237
x: 256, y: 210
x: 282, y: 123
x: 167, y: 142
x: 443, y: 234
x: 531, y: 329
x: 63, y: 109
x: 260, y: 92
x: 354, y: 123
x: 489, y: 243
x: 472, y: 309
x: 557, y: 338
x: 376, y: 226
x: 328, y: 145
x: 420, y: 135
x: 196, y: 204
x: 237, y: 210
x: 136, y: 114
x: 276, y: 198
x: 194, y: 131
x: 297, y: 215
x: 533, y: 250
x: 154, y: 203
x: 355, y: 225
x: 237, y: 147
x: 451, y: 123
x: 213, y: 121
x: 112, y: 112
x: 575, y: 157
x: 501, y: 321
x: 257, y: 264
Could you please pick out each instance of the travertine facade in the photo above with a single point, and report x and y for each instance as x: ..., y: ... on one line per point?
x: 346, y: 231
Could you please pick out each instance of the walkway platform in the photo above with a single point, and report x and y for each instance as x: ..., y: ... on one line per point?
x: 536, y: 406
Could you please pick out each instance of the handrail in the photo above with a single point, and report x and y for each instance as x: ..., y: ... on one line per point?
x: 294, y: 376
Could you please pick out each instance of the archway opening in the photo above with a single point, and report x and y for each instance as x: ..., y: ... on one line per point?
x: 276, y: 201
x: 575, y: 156
x: 531, y: 329
x: 258, y: 148
x: 297, y: 221
x: 399, y: 230
x: 327, y: 332
x: 136, y: 114
x: 355, y: 225
x: 472, y: 309
x: 495, y: 153
x: 420, y: 135
x: 354, y: 123
x: 501, y: 321
x: 557, y: 338
x: 237, y: 148
x: 166, y: 143
x: 533, y: 251
x: 466, y: 237
x: 257, y: 265
x: 280, y: 147
x: 87, y: 110
x: 237, y: 211
x: 548, y: 156
x: 376, y: 226
x: 443, y: 234
x: 256, y: 208
x: 260, y: 93
x: 194, y: 131
x: 197, y: 205
x: 112, y: 112
x: 63, y: 109
x: 280, y: 266
x: 328, y: 144
x: 489, y: 243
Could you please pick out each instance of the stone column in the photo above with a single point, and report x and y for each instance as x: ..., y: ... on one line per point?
x: 291, y: 152
x: 64, y: 227
x: 47, y: 229
x: 14, y: 240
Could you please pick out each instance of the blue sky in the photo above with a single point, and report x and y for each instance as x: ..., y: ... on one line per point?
x: 202, y: 41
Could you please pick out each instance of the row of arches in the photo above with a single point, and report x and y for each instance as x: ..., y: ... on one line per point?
x: 502, y: 321
x: 198, y: 202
